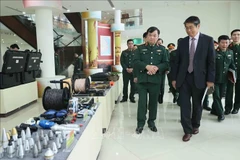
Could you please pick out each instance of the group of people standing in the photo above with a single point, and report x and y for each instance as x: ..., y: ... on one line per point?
x: 194, y: 66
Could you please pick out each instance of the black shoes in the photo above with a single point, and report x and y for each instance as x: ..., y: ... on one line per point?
x: 227, y: 112
x: 139, y: 130
x: 123, y: 100
x: 153, y: 128
x: 207, y: 108
x: 235, y: 111
x: 221, y: 118
x: 160, y: 99
x: 132, y: 100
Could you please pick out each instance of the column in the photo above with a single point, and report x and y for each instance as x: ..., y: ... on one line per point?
x: 92, y: 44
x: 44, y: 29
x: 91, y: 41
x: 45, y: 40
x: 117, y: 28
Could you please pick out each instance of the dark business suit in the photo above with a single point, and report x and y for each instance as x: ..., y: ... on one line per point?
x: 193, y: 84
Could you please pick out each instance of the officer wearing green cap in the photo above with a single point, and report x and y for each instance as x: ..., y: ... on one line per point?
x: 162, y: 86
x: 151, y: 62
x: 126, y: 60
x: 224, y: 61
x: 235, y: 47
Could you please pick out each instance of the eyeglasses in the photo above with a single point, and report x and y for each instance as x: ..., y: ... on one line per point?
x: 189, y: 28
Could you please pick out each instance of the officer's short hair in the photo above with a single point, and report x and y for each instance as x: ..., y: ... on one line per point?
x: 160, y: 39
x: 129, y: 40
x: 14, y: 46
x: 145, y: 35
x: 223, y: 37
x: 192, y: 19
x: 170, y: 44
x: 235, y: 30
x: 152, y: 29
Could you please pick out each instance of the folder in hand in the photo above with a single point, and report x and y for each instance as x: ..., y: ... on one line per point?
x: 232, y: 75
x: 207, y: 91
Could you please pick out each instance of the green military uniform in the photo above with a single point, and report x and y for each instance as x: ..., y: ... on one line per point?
x: 162, y: 86
x: 126, y: 60
x: 229, y: 94
x: 149, y: 55
x: 172, y: 89
x: 224, y: 61
x: 78, y: 65
x: 57, y: 64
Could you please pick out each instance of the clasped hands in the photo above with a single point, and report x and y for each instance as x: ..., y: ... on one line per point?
x: 151, y: 69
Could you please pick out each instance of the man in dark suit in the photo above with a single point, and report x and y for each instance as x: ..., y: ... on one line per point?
x: 194, y: 69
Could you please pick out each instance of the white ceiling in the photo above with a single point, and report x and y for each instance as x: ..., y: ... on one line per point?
x: 94, y: 5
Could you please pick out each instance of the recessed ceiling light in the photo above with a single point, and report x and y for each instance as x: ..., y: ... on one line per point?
x: 113, y: 8
x: 14, y: 35
x: 23, y: 12
x: 68, y: 10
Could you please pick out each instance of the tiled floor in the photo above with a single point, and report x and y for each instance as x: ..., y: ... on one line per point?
x: 215, y: 141
x: 23, y: 115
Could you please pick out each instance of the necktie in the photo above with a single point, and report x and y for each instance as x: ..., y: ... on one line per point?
x: 191, y: 56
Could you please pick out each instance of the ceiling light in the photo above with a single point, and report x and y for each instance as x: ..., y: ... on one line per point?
x: 14, y: 35
x: 113, y: 8
x: 68, y: 10
x: 23, y: 12
x: 16, y: 41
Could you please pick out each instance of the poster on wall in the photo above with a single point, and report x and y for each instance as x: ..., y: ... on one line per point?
x: 105, y: 42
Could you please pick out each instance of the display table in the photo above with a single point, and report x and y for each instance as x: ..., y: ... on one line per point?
x: 12, y: 99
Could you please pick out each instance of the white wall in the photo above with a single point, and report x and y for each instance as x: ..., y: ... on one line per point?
x: 217, y: 18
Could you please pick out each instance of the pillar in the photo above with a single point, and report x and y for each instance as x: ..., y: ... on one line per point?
x: 117, y: 28
x: 45, y: 40
x: 44, y: 29
x: 91, y: 39
x: 92, y: 44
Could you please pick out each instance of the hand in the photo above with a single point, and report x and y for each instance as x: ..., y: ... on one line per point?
x: 130, y: 70
x: 135, y: 80
x: 151, y: 69
x: 210, y: 84
x: 174, y: 84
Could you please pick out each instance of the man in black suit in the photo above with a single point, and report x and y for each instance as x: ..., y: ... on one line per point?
x: 194, y: 69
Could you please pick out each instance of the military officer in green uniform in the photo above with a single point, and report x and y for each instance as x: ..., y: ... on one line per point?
x: 224, y: 61
x: 151, y: 62
x: 172, y: 56
x: 126, y: 60
x: 235, y: 47
x: 162, y: 86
